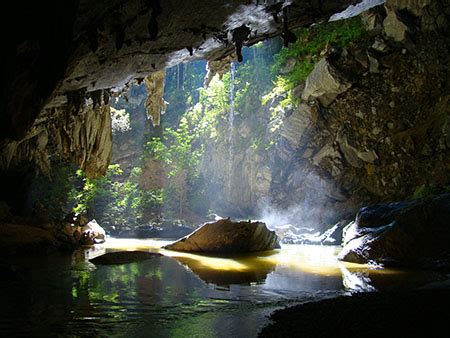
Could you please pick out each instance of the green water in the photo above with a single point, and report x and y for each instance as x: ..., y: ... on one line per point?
x: 177, y: 295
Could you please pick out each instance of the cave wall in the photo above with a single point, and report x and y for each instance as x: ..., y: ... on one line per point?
x: 372, y: 125
x: 79, y: 132
x: 385, y: 135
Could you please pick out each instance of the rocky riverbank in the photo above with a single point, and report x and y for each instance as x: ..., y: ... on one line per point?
x: 420, y: 313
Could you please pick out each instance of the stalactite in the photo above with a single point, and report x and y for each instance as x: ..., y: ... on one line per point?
x: 239, y: 35
x: 79, y: 131
x: 218, y: 67
x: 155, y: 104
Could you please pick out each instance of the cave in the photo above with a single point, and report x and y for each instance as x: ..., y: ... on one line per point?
x: 225, y: 168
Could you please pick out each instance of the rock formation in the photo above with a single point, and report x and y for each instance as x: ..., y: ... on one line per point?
x: 155, y: 104
x: 94, y: 232
x: 414, y: 233
x: 218, y: 67
x: 228, y: 237
x: 23, y: 240
x: 324, y: 83
x: 79, y: 131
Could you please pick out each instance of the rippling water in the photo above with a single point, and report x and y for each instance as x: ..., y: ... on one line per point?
x: 178, y: 295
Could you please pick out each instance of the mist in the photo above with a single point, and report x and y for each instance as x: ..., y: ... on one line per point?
x: 311, y: 209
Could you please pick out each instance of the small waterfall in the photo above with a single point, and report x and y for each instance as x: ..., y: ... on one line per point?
x: 231, y: 129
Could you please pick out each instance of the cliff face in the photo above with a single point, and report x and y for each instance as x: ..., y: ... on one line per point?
x: 372, y: 125
x: 388, y: 124
x: 59, y: 54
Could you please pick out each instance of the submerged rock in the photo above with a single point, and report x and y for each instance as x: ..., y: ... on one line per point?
x: 413, y: 233
x: 123, y: 257
x: 228, y: 237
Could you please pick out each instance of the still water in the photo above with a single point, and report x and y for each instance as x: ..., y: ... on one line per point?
x: 179, y: 294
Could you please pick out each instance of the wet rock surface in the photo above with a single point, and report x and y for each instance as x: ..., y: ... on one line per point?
x: 123, y: 257
x: 413, y: 233
x: 417, y: 313
x: 228, y: 237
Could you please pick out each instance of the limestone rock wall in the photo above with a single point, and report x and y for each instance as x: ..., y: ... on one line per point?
x: 384, y: 136
x: 81, y: 135
x: 373, y: 125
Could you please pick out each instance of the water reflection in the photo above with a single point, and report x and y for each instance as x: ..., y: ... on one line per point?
x: 356, y: 281
x: 294, y: 268
x: 176, y: 295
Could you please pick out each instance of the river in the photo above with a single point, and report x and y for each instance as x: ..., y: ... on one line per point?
x: 179, y: 294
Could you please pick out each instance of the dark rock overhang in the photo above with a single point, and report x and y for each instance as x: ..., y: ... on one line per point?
x: 54, y: 51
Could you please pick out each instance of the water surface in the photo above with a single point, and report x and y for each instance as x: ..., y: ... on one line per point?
x: 179, y: 294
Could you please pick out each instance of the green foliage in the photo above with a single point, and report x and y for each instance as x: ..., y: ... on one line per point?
x: 305, y: 52
x: 213, y: 107
x: 205, y: 123
x: 311, y: 41
x: 181, y: 159
x: 113, y: 199
x: 301, y: 57
x: 198, y: 117
x: 181, y: 91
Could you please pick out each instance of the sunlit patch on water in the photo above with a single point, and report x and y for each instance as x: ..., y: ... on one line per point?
x: 309, y: 264
x: 179, y: 294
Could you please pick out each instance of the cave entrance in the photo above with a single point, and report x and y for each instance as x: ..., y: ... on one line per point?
x: 204, y: 157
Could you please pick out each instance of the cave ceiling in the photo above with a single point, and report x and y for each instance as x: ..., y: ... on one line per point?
x: 55, y: 50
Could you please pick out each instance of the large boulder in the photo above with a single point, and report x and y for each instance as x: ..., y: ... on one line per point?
x: 228, y: 237
x: 413, y: 233
x: 325, y: 83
